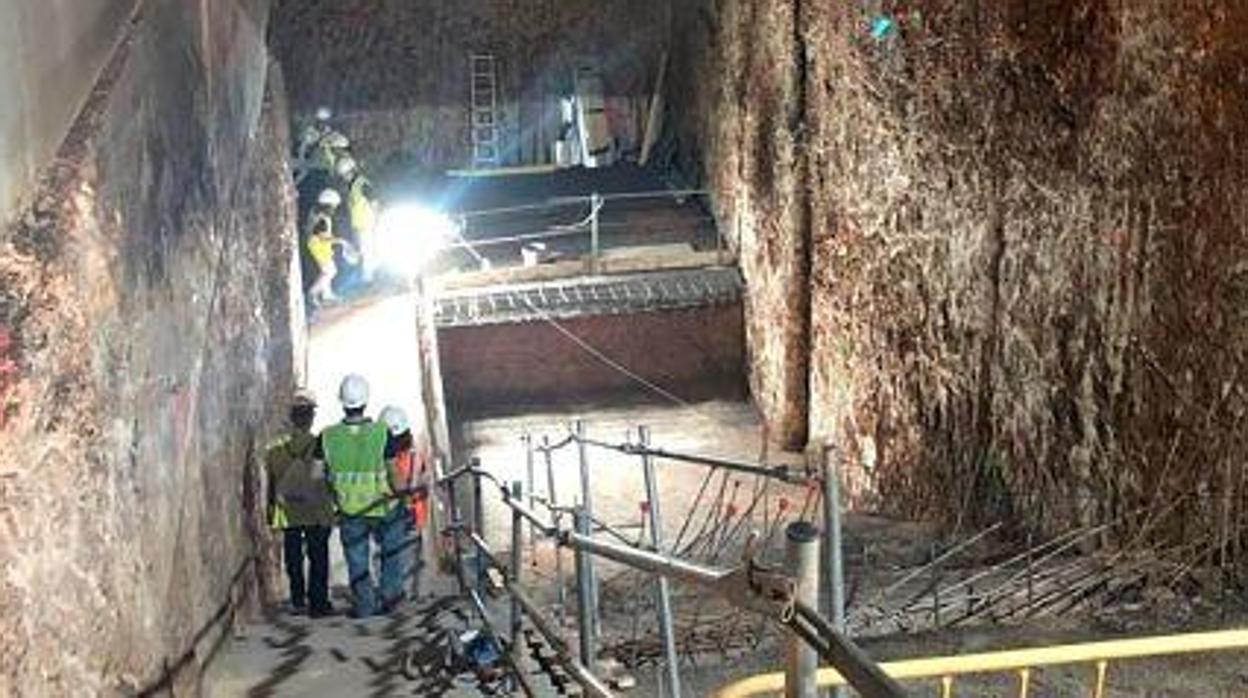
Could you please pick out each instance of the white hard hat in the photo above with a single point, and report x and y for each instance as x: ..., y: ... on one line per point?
x: 329, y: 197
x: 353, y: 393
x: 324, y: 114
x: 345, y: 166
x: 337, y: 140
x: 395, y: 419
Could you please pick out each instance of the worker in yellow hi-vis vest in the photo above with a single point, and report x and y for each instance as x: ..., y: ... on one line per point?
x: 362, y: 212
x: 358, y: 455
x: 301, y: 506
x: 321, y: 246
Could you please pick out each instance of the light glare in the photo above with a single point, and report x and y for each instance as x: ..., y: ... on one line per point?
x: 410, y: 235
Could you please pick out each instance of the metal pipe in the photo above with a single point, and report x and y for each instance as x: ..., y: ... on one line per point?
x: 663, y: 601
x: 530, y: 484
x: 1012, y: 660
x: 583, y: 675
x: 535, y: 520
x: 587, y: 504
x: 517, y: 535
x: 584, y: 615
x: 833, y: 548
x: 548, y: 630
x: 563, y: 201
x: 802, y: 660
x: 456, y: 526
x: 646, y: 561
x: 594, y: 206
x: 490, y: 631
x: 551, y: 495
x: 778, y: 472
x: 478, y: 514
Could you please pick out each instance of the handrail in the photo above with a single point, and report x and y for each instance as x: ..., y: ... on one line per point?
x: 579, y: 671
x: 1021, y: 660
x: 562, y: 201
x: 779, y: 472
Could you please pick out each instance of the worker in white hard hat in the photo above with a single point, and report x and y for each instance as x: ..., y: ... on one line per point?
x: 321, y: 245
x: 359, y: 462
x: 301, y: 506
x: 325, y: 208
x: 329, y: 149
x: 362, y: 213
x: 308, y: 156
x: 412, y: 476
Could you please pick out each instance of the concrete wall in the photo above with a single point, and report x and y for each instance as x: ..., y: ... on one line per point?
x: 51, y: 53
x: 396, y: 71
x: 1026, y: 238
x: 497, y: 369
x: 145, y: 335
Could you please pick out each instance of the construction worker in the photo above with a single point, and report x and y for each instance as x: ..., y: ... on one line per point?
x: 411, y: 476
x: 329, y: 149
x: 308, y: 156
x: 321, y: 244
x: 360, y: 464
x: 301, y: 507
x: 362, y: 212
x: 327, y: 203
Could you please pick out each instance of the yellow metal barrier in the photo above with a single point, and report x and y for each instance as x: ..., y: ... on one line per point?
x: 1022, y: 661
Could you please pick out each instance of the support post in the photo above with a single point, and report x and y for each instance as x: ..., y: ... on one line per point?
x: 587, y: 504
x: 456, y: 524
x: 801, y: 660
x: 530, y: 484
x: 585, y: 613
x: 478, y: 517
x: 554, y: 520
x: 833, y: 548
x: 594, y: 250
x: 663, y: 601
x: 517, y: 536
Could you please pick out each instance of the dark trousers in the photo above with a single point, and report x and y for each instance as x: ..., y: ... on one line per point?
x: 315, y: 541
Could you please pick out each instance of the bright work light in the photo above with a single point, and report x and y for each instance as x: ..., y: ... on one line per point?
x: 410, y: 235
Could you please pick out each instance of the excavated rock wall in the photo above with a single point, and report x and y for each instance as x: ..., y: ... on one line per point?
x: 1027, y: 238
x: 145, y: 329
x: 397, y: 72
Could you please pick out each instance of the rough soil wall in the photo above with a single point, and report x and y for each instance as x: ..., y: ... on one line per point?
x: 396, y: 71
x: 493, y: 369
x: 740, y: 96
x: 145, y: 317
x: 1027, y: 234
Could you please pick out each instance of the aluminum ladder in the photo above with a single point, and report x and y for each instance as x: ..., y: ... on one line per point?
x: 483, y: 68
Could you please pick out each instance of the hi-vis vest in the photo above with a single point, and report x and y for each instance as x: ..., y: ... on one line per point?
x: 355, y: 455
x: 360, y: 208
x: 321, y: 249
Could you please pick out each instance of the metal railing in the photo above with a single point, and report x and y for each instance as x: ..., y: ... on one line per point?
x: 591, y: 226
x: 751, y: 585
x: 1023, y: 662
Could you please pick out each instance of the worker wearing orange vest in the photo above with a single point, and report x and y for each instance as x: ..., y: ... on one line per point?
x: 412, y: 475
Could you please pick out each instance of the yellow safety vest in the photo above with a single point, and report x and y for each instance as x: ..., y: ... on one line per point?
x: 363, y: 212
x: 321, y: 248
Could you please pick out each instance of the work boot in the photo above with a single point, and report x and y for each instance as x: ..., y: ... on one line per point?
x: 321, y: 611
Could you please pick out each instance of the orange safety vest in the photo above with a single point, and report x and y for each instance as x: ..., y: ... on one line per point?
x: 409, y: 467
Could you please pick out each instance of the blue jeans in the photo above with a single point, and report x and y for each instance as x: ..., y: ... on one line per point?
x: 388, y: 533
